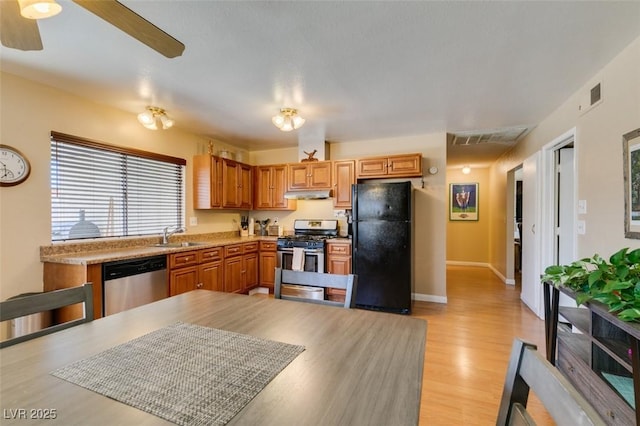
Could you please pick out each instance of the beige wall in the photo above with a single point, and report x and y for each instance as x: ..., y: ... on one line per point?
x: 30, y: 111
x: 468, y: 241
x: 598, y: 158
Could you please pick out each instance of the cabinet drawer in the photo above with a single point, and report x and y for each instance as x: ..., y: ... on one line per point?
x: 339, y: 248
x: 268, y: 246
x: 208, y: 255
x: 185, y: 258
x: 605, y: 401
x: 250, y: 247
x: 232, y: 250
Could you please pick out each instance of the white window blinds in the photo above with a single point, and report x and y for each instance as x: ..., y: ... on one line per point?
x: 99, y: 190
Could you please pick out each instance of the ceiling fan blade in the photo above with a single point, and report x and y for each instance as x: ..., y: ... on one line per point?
x: 135, y: 25
x: 16, y: 31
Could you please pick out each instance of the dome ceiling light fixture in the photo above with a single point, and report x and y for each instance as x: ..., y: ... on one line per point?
x: 466, y: 170
x: 152, y: 116
x: 287, y: 119
x: 39, y: 9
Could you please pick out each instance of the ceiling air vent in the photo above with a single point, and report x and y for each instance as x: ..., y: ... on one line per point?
x: 591, y: 98
x: 507, y: 136
x: 595, y: 94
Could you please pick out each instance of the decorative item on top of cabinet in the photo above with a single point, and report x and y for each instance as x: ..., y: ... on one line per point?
x: 270, y: 184
x: 268, y: 263
x: 344, y: 175
x: 309, y: 175
x: 241, y: 267
x: 406, y: 165
x: 338, y: 262
x: 196, y: 269
x: 221, y: 183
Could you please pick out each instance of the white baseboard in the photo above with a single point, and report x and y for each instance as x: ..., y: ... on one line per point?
x: 508, y: 281
x: 429, y: 298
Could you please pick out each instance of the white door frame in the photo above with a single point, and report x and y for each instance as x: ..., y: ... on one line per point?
x: 548, y: 203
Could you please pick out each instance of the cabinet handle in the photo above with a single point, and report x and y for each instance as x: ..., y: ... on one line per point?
x: 611, y: 414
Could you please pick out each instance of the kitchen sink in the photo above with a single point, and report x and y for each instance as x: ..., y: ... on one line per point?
x: 183, y: 244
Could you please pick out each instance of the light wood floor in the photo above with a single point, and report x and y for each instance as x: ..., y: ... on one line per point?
x: 468, y: 346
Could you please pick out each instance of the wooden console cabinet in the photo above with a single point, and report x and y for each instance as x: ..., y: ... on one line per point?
x: 598, y: 353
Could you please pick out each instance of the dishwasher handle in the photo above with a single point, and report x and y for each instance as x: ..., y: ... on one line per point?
x: 126, y: 268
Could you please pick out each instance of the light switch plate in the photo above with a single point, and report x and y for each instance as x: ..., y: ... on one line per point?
x: 581, y: 227
x: 582, y: 206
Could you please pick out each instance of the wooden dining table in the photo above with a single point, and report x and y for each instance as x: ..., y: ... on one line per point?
x: 358, y: 367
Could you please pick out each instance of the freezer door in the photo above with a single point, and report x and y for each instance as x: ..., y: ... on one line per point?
x: 382, y: 261
x: 383, y: 201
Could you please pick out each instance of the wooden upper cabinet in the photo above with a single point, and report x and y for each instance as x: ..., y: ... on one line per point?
x: 270, y: 186
x: 207, y: 182
x: 344, y: 175
x: 310, y: 175
x: 407, y: 165
x: 221, y: 183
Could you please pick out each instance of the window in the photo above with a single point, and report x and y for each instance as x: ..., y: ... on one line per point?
x: 98, y: 190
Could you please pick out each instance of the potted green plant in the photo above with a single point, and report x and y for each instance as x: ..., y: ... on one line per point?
x: 615, y: 283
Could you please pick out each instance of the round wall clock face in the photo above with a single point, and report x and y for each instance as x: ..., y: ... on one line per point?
x: 14, y: 166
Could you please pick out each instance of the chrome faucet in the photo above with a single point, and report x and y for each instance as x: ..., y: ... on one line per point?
x: 166, y: 234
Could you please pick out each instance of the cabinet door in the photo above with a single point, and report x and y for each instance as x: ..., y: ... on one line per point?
x: 182, y: 280
x: 268, y: 262
x: 207, y: 182
x: 320, y: 174
x: 405, y: 165
x: 211, y: 276
x: 340, y: 265
x: 230, y: 183
x: 371, y: 167
x: 344, y: 176
x: 279, y: 187
x: 263, y: 187
x: 233, y: 276
x: 245, y: 192
x: 298, y: 176
x: 250, y: 263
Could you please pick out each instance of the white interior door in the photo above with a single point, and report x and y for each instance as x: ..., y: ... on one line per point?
x: 565, y: 218
x: 531, y: 293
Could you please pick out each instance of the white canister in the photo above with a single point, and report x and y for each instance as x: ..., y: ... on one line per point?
x: 252, y: 226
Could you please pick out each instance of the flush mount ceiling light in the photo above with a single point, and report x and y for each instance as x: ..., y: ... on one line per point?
x: 287, y: 119
x: 152, y: 115
x: 38, y: 9
x: 466, y: 170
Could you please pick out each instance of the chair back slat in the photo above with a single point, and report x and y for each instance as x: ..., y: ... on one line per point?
x: 530, y: 371
x: 315, y: 279
x: 47, y: 301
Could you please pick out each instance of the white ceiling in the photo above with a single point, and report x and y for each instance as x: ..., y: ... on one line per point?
x: 355, y: 70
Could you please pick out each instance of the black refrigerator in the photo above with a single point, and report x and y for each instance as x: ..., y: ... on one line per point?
x: 382, y: 246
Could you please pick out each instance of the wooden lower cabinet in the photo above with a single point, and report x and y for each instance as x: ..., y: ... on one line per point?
x: 268, y: 263
x: 338, y: 262
x: 241, y: 267
x: 198, y: 269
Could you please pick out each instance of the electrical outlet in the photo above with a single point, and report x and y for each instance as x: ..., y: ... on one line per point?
x: 581, y: 227
x: 193, y: 221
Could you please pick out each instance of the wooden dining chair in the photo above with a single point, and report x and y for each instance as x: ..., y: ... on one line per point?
x: 36, y: 303
x: 349, y: 283
x: 528, y: 370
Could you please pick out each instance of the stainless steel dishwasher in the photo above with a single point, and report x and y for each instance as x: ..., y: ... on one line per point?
x: 132, y: 283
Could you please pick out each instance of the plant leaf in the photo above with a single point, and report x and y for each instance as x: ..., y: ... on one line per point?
x: 618, y: 258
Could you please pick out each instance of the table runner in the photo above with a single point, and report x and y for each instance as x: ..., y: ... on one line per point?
x: 184, y: 373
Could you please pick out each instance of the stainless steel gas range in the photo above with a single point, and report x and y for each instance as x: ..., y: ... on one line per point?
x: 309, y: 241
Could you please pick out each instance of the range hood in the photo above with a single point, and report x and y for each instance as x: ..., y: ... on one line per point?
x: 318, y: 194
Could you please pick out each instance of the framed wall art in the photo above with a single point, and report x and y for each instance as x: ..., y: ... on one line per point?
x: 631, y: 173
x: 463, y: 201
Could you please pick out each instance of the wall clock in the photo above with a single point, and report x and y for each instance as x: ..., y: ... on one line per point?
x: 14, y: 166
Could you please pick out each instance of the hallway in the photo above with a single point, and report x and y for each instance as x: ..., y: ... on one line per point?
x: 468, y: 347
